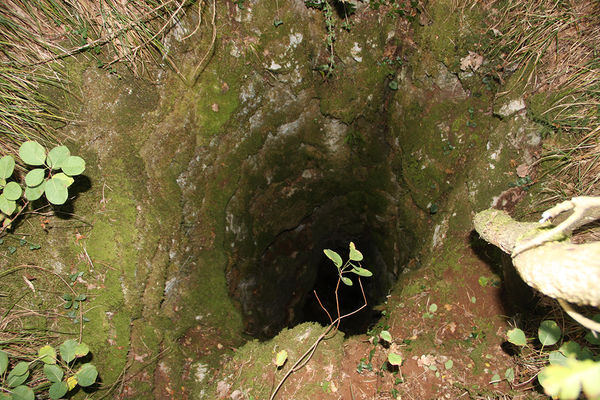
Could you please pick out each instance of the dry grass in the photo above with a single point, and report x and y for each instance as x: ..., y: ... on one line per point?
x: 555, y: 46
x: 35, y: 35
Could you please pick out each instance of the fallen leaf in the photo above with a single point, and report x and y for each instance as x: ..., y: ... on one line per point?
x: 472, y: 61
x: 28, y: 282
x: 333, y: 387
x: 523, y: 170
x: 281, y: 358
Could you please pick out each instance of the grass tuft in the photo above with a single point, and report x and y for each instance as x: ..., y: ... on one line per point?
x: 35, y: 35
x: 555, y: 46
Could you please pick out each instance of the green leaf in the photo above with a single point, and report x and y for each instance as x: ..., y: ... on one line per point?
x: 47, y: 354
x: 7, y: 166
x: 34, y: 193
x: 281, y: 358
x: 566, y: 381
x: 510, y: 374
x: 433, y: 308
x: 81, y: 350
x: 495, y: 378
x: 347, y: 281
x: 54, y: 373
x: 56, y: 191
x: 362, y: 272
x: 386, y: 335
x: 355, y: 255
x: 32, y: 153
x: 35, y: 177
x: 393, y: 85
x: 3, y: 362
x: 81, y: 297
x: 67, y: 180
x: 87, y: 374
x: 592, y: 339
x: 22, y: 393
x: 20, y: 369
x: 556, y: 357
x: 57, y: 156
x: 58, y: 390
x: 549, y: 333
x: 74, y: 165
x: 18, y: 374
x: 570, y: 349
x: 517, y: 336
x: 449, y: 364
x: 395, y: 359
x: 12, y: 191
x: 333, y: 256
x: 67, y: 350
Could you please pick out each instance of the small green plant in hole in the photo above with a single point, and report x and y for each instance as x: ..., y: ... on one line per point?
x: 344, y: 269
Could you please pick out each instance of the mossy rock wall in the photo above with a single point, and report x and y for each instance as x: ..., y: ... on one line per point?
x: 207, y: 206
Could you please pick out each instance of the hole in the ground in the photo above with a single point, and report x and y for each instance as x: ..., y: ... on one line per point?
x: 306, y: 190
x: 276, y: 288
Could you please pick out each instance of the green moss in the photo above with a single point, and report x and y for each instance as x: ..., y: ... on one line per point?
x: 452, y: 32
x: 214, y: 100
x: 260, y: 355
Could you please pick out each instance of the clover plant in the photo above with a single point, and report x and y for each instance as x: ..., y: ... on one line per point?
x: 63, y: 371
x: 48, y: 174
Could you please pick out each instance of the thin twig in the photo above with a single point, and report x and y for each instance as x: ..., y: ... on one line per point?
x: 333, y: 327
x: 321, y: 304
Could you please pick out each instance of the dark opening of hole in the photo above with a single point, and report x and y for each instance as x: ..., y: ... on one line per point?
x: 299, y: 196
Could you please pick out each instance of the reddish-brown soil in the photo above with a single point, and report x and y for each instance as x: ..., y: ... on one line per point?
x: 453, y: 353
